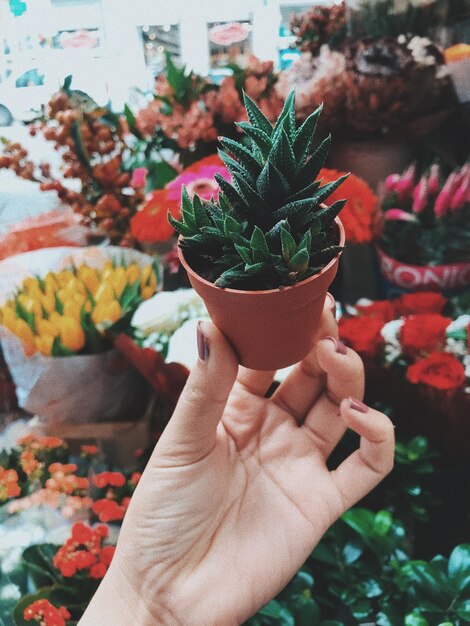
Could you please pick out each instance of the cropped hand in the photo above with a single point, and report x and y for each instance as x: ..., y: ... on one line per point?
x: 237, y: 492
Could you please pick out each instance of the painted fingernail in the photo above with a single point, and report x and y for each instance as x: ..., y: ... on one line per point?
x: 202, y: 344
x: 339, y: 345
x: 357, y: 405
x: 331, y: 304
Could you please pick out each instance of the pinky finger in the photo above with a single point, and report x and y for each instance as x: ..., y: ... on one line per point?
x: 367, y: 466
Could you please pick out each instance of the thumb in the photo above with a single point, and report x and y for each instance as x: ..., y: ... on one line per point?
x: 191, y: 432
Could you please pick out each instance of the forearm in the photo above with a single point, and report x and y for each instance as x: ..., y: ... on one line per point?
x: 117, y: 604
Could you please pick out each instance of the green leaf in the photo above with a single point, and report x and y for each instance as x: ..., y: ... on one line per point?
x: 299, y: 262
x: 231, y: 275
x: 131, y: 122
x: 360, y: 520
x: 289, y: 246
x: 272, y: 185
x: 312, y: 167
x: 258, y: 136
x: 305, y: 135
x: 231, y: 226
x: 159, y: 174
x: 244, y: 253
x: 328, y: 214
x: 236, y: 200
x: 199, y: 213
x: 459, y: 565
x: 258, y: 242
x: 282, y: 156
x: 243, y: 156
x: 383, y: 522
x: 463, y: 610
x: 256, y: 117
x: 256, y: 268
x: 286, y: 120
x: 415, y: 619
x: 180, y: 227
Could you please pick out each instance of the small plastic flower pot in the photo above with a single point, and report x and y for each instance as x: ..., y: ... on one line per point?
x: 268, y: 329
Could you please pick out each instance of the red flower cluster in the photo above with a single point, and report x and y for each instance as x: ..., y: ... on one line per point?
x: 109, y: 479
x: 84, y: 551
x: 423, y: 333
x: 64, y: 480
x: 109, y: 510
x: 46, y: 614
x: 34, y: 442
x: 89, y: 450
x: 362, y: 334
x: 422, y: 302
x: 440, y: 370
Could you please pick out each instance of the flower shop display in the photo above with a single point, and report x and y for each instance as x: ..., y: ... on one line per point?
x: 268, y: 232
x: 59, y: 305
x: 92, y: 144
x: 421, y: 355
x: 425, y: 238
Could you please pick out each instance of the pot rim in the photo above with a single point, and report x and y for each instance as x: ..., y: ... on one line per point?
x: 284, y: 288
x: 419, y: 267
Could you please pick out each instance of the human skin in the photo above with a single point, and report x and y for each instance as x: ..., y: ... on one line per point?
x: 237, y: 492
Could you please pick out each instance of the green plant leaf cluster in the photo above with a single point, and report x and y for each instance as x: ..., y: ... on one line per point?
x: 270, y: 226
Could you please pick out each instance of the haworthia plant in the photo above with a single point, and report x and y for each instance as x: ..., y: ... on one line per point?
x: 270, y: 225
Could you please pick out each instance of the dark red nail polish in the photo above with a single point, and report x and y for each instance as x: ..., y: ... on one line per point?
x: 331, y: 304
x: 202, y: 344
x: 357, y: 405
x: 339, y: 345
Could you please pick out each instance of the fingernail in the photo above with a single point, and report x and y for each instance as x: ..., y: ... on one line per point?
x: 202, y: 344
x: 331, y: 304
x: 357, y: 405
x: 339, y: 345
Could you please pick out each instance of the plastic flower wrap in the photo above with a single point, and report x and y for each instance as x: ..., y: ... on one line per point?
x: 317, y: 80
x: 58, y: 306
x: 426, y: 219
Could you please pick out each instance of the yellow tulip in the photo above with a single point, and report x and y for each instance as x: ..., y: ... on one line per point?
x: 71, y: 334
x: 48, y: 302
x: 72, y: 309
x: 133, y: 273
x: 107, y: 313
x: 147, y: 292
x: 44, y: 344
x: 23, y: 331
x: 8, y: 317
x: 46, y: 327
x: 32, y: 286
x: 104, y: 293
x: 50, y: 282
x: 145, y: 276
x: 89, y: 277
x: 107, y: 270
x: 75, y: 286
x: 119, y: 280
x: 63, y: 295
x: 64, y: 277
x: 29, y: 304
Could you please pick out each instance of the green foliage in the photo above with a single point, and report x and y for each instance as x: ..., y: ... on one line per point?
x: 269, y: 226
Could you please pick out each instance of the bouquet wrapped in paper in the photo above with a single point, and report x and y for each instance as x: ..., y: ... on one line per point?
x: 57, y: 308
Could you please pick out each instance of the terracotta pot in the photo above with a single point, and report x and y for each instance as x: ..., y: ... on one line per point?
x: 268, y: 329
x: 452, y: 276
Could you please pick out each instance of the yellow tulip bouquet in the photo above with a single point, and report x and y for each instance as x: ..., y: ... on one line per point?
x: 68, y: 312
x: 61, y: 311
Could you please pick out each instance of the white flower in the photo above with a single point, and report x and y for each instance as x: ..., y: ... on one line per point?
x: 166, y: 311
x: 9, y: 593
x: 460, y: 323
x: 391, y: 331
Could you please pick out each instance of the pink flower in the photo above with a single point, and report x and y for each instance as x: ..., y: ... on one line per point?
x: 399, y: 214
x: 139, y: 177
x: 420, y: 196
x: 199, y: 179
x: 443, y: 200
x: 460, y: 196
x: 405, y: 185
x: 433, y: 181
x: 391, y: 182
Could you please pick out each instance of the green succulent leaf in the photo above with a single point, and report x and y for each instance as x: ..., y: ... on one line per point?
x: 305, y: 134
x: 256, y: 117
x: 289, y: 246
x: 258, y: 136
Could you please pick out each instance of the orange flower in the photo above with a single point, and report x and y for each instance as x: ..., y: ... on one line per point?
x: 9, y: 487
x: 358, y: 214
x: 89, y: 450
x: 29, y: 464
x: 64, y: 480
x: 150, y: 224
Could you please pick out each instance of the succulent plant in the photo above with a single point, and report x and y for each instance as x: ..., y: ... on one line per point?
x: 269, y: 226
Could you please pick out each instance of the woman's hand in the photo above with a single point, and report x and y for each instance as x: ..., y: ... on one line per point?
x: 237, y: 493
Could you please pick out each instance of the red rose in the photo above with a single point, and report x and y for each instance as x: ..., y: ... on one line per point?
x: 380, y: 309
x: 423, y: 302
x: 423, y: 333
x: 440, y: 370
x: 362, y: 334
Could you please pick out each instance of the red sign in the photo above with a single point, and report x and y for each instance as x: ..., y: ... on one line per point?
x: 420, y: 277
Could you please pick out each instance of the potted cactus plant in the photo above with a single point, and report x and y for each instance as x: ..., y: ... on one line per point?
x: 264, y: 254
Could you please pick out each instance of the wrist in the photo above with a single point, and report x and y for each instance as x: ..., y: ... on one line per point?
x: 117, y: 603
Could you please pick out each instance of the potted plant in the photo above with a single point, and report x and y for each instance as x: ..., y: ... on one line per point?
x: 264, y: 254
x: 425, y: 238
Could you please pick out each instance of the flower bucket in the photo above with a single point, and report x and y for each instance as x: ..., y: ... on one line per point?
x: 452, y: 277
